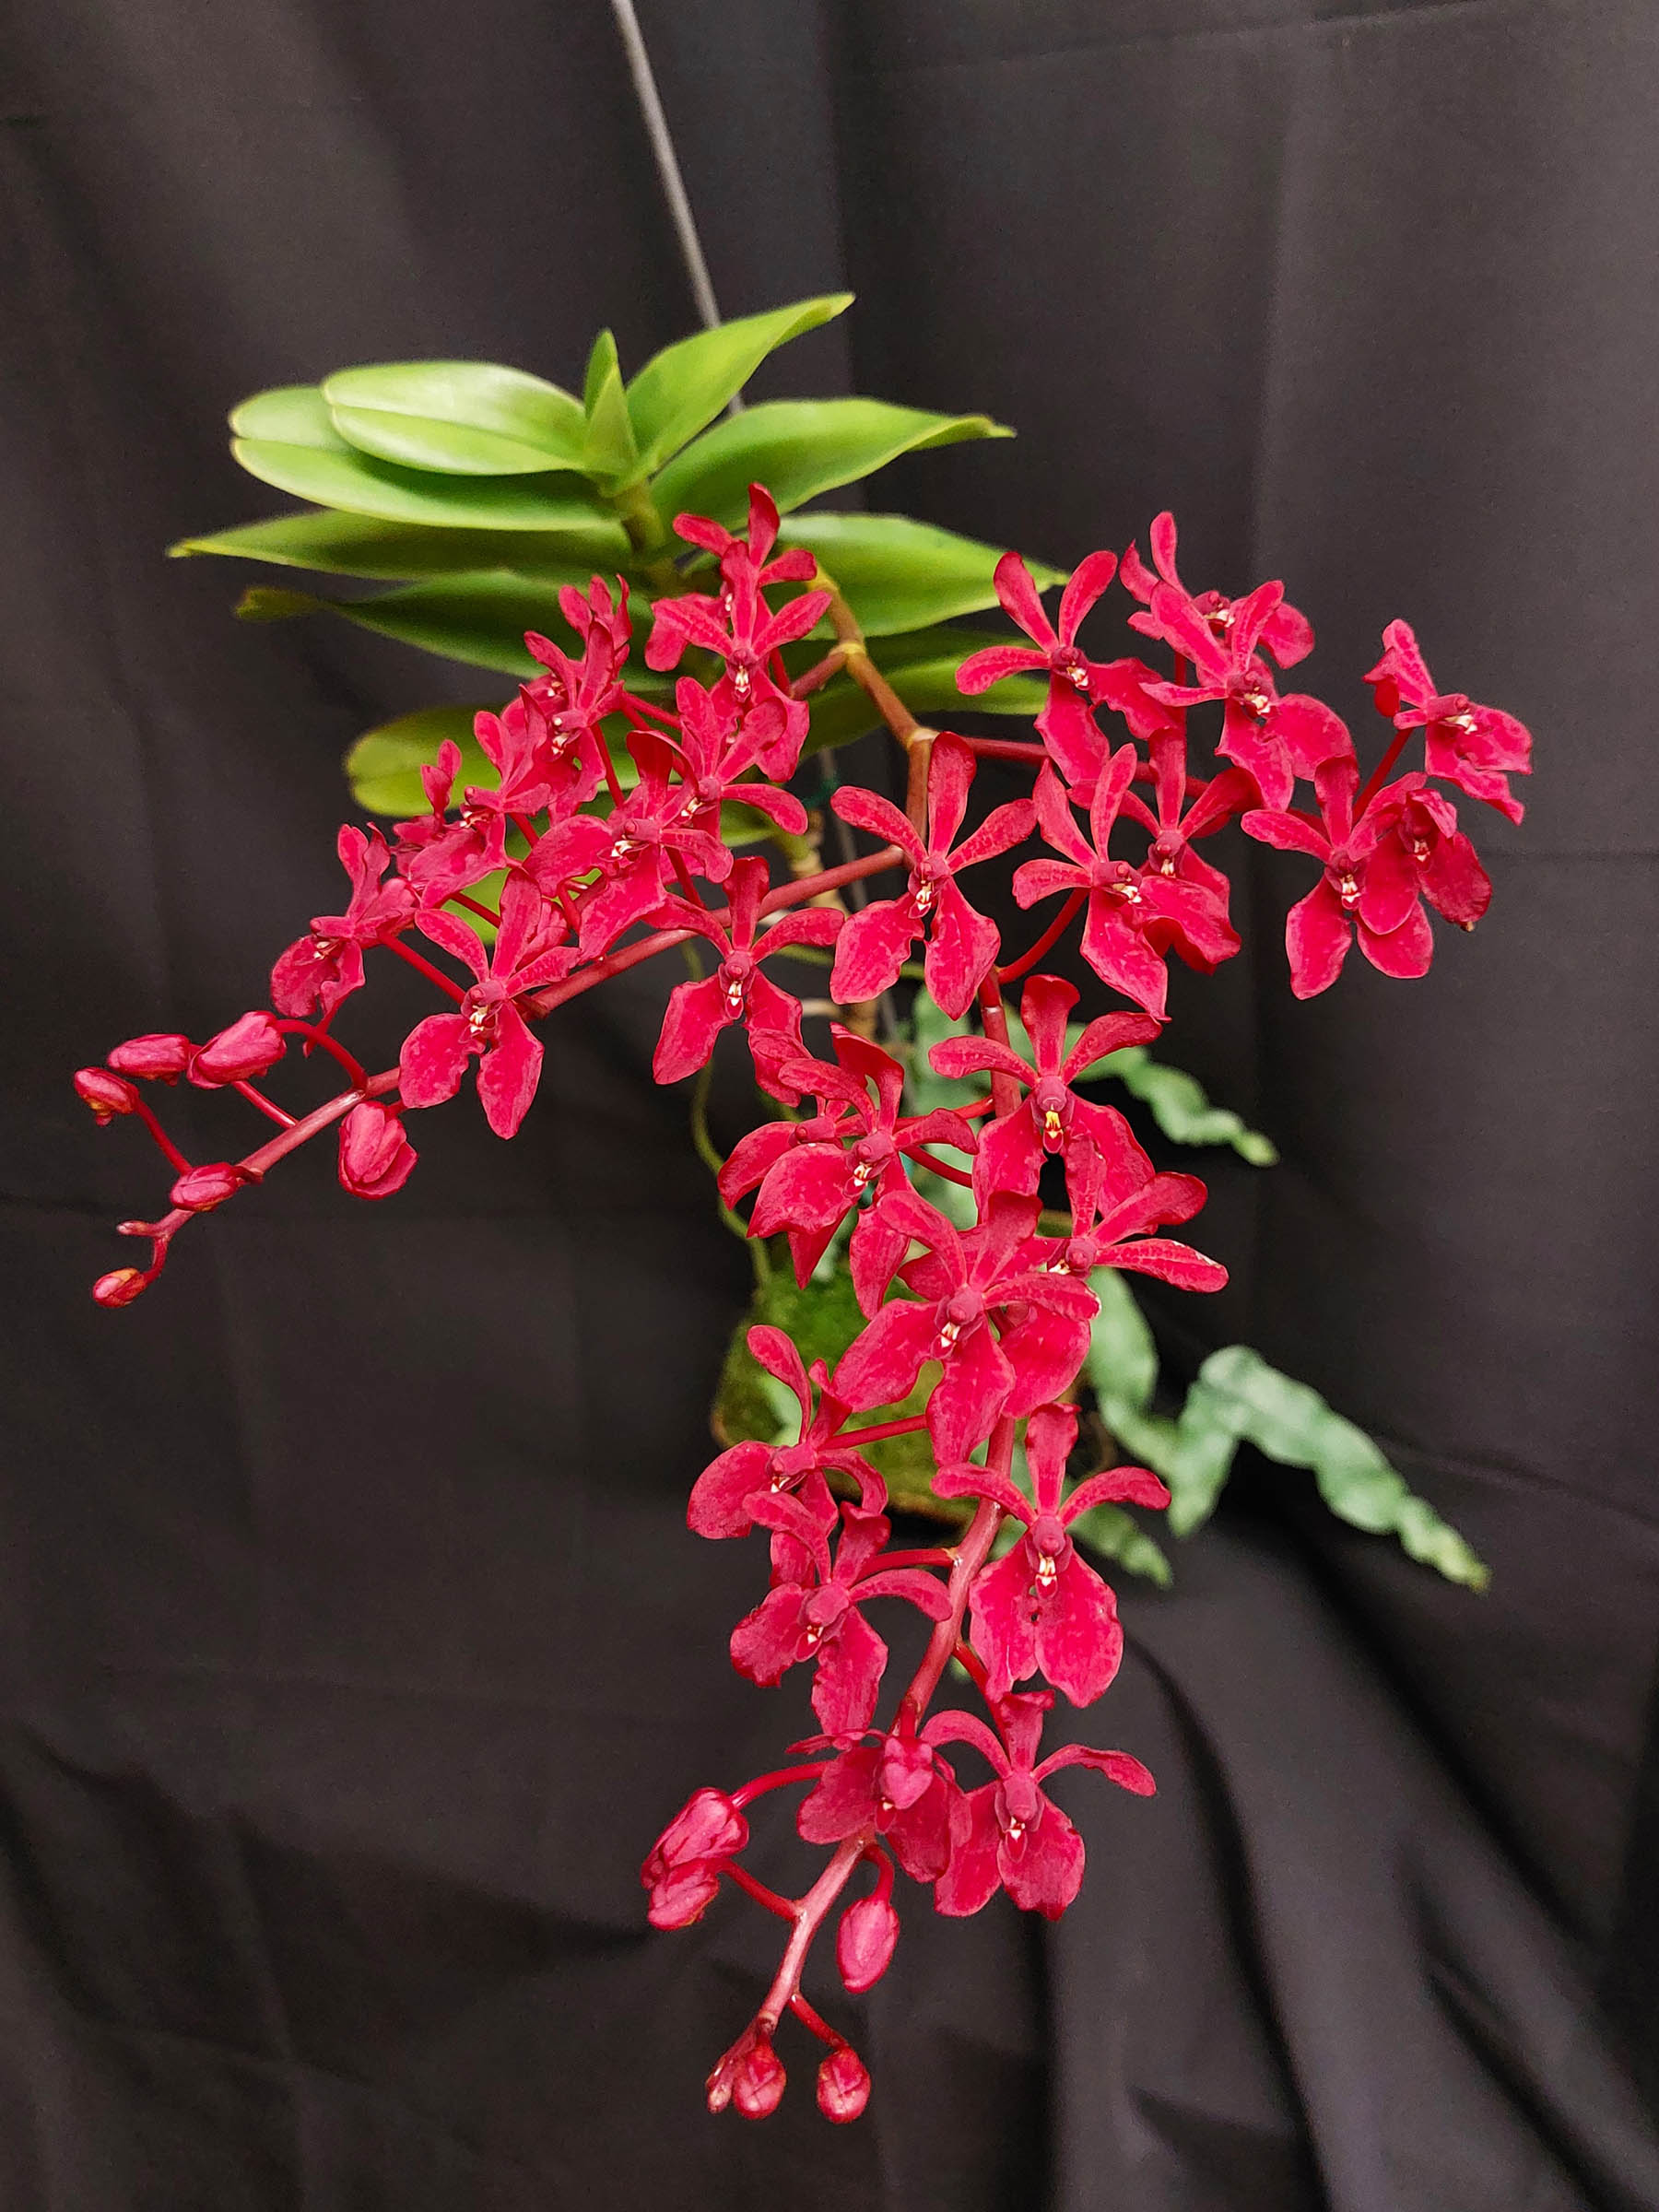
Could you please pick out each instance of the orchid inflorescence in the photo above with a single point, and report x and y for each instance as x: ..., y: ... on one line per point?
x: 602, y: 867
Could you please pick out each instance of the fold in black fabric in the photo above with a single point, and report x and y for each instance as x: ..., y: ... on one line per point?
x: 353, y: 1647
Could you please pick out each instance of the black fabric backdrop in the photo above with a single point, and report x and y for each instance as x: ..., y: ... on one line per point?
x: 353, y: 1646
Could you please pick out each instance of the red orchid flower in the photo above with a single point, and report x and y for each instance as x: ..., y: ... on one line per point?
x: 814, y: 1609
x: 739, y: 626
x: 716, y: 747
x: 488, y: 1026
x: 1449, y: 873
x: 962, y: 944
x: 965, y: 1281
x: 1135, y: 916
x: 1009, y: 1833
x: 723, y: 1496
x: 443, y: 860
x: 326, y: 965
x: 899, y: 1787
x: 565, y: 706
x: 376, y: 1157
x: 1041, y: 1606
x: 1275, y: 739
x: 1287, y: 634
x: 737, y: 991
x: 1119, y: 1200
x: 634, y: 849
x: 1370, y: 882
x: 1052, y: 1118
x: 1477, y: 747
x: 1174, y: 833
x: 811, y: 1187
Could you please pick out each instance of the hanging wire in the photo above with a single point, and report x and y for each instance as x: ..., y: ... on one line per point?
x: 668, y: 169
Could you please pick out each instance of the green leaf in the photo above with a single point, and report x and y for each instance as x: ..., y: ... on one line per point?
x: 898, y: 574
x: 841, y: 711
x: 1117, y: 1534
x: 361, y: 485
x: 480, y: 620
x: 1237, y: 1396
x: 384, y: 767
x: 681, y: 390
x: 798, y: 448
x: 360, y: 545
x: 1122, y: 1362
x: 291, y: 415
x: 1179, y: 1105
x: 609, y: 451
x: 472, y: 418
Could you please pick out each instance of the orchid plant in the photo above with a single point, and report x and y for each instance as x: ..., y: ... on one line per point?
x: 941, y: 1325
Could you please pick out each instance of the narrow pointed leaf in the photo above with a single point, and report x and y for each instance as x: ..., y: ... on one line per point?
x: 681, y: 390
x: 608, y: 451
x: 798, y: 448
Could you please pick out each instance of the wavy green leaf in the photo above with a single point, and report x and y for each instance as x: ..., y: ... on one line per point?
x: 900, y: 574
x: 362, y: 485
x: 681, y: 390
x: 361, y: 545
x: 1179, y: 1105
x: 460, y: 418
x: 798, y: 448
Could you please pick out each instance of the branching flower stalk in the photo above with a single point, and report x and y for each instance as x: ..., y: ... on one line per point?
x: 973, y: 1335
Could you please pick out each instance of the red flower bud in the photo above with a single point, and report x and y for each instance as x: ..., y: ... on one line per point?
x: 156, y: 1058
x: 843, y: 2085
x: 119, y: 1287
x: 246, y: 1049
x: 107, y: 1095
x: 863, y: 1942
x: 708, y: 1826
x: 376, y: 1157
x: 684, y: 1894
x: 749, y: 2076
x: 201, y: 1189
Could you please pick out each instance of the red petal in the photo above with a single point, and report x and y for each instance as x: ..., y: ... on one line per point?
x: 766, y: 1643
x: 697, y: 1013
x: 873, y: 946
x: 880, y: 1365
x: 970, y: 1882
x: 509, y: 1073
x: 1405, y: 952
x: 433, y: 1060
x: 719, y: 1504
x: 959, y: 954
x: 1017, y: 592
x: 1005, y: 1627
x: 1079, y: 1641
x: 849, y: 1676
x: 1317, y: 937
x: 970, y: 1394
x: 1047, y: 1875
x: 981, y: 670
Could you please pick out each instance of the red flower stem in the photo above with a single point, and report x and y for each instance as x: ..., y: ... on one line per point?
x: 809, y: 2017
x: 1377, y: 774
x: 565, y: 908
x: 475, y: 906
x: 433, y: 975
x: 759, y: 1891
x: 938, y: 1167
x: 268, y: 1107
x: 1057, y: 929
x: 809, y: 1915
x: 779, y: 674
x: 611, y: 773
x: 938, y: 1556
x: 168, y: 1150
x: 780, y: 1781
x: 314, y: 1034
x: 818, y: 673
x: 830, y: 879
x: 1004, y: 1090
x: 916, y: 739
x: 682, y: 876
x: 874, y: 1434
x: 526, y: 828
x: 971, y: 1555
x: 1008, y: 749
x: 614, y: 963
x: 971, y: 1664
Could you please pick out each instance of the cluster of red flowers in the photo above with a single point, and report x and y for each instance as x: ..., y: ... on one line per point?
x: 600, y: 875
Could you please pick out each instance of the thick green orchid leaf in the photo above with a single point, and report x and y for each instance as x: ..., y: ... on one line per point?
x: 361, y: 485
x: 480, y: 620
x: 798, y: 448
x: 360, y: 545
x: 290, y: 414
x: 898, y: 574
x: 841, y: 711
x: 681, y: 390
x: 473, y: 419
x: 1179, y: 1105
